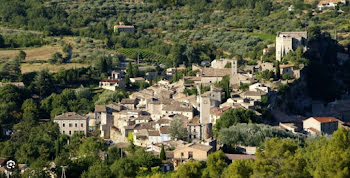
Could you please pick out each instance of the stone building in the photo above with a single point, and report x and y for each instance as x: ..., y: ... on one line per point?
x: 124, y: 28
x: 211, y: 75
x: 288, y: 41
x: 112, y: 84
x: 191, y: 151
x: 316, y: 125
x: 71, y: 123
x: 220, y: 63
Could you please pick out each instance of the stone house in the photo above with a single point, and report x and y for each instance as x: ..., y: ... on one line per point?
x: 326, y: 125
x: 122, y: 28
x: 129, y: 104
x: 259, y: 86
x: 154, y: 136
x: 254, y: 95
x: 178, y: 108
x: 116, y: 74
x: 197, y: 131
x: 164, y: 134
x: 104, y: 118
x: 220, y: 63
x: 155, y: 107
x: 287, y: 69
x: 112, y: 84
x: 288, y: 41
x: 142, y: 97
x: 216, y: 112
x: 71, y: 123
x: 329, y: 4
x: 198, y: 152
x: 137, y: 79
x: 210, y: 76
x: 267, y: 66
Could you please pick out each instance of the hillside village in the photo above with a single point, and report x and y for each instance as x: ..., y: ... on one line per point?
x: 148, y: 88
x: 146, y: 117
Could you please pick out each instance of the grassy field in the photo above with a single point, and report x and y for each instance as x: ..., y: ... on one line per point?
x: 264, y: 36
x: 26, y: 67
x: 33, y: 54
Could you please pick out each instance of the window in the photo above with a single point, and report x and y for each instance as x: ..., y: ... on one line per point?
x: 70, y: 132
x: 182, y: 154
x: 70, y: 125
x: 63, y: 125
x: 82, y: 125
x: 190, y: 154
x: 76, y: 125
x: 64, y: 132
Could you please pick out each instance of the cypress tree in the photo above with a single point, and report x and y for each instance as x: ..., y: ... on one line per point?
x: 162, y: 155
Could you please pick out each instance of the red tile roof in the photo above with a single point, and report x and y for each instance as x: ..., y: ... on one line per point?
x: 164, y: 130
x: 110, y: 80
x: 325, y: 119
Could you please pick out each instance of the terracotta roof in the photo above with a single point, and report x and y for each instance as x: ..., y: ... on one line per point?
x: 153, y: 133
x: 325, y: 119
x: 146, y: 125
x: 128, y: 101
x: 100, y: 108
x: 110, y: 80
x: 178, y: 107
x: 240, y: 156
x: 164, y: 130
x: 201, y: 147
x: 211, y: 72
x: 70, y: 116
x: 195, y: 120
x: 218, y: 111
x: 138, y: 79
x: 143, y: 117
x: 163, y: 121
x: 192, y: 78
x: 178, y: 116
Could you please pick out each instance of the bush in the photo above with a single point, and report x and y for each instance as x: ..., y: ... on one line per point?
x: 287, y: 77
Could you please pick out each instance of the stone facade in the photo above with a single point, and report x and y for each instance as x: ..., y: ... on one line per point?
x: 325, y: 125
x: 71, y: 123
x: 288, y: 41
